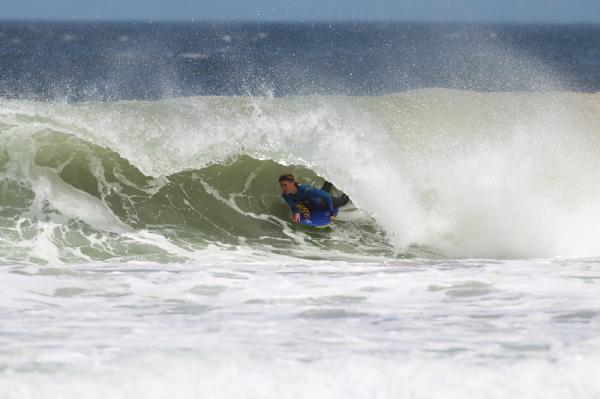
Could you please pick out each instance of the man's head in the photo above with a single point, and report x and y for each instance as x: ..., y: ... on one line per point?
x: 288, y: 184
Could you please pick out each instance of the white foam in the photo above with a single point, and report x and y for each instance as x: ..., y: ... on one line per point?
x: 290, y: 328
x: 195, y: 56
x: 68, y: 37
x: 233, y: 376
x: 463, y: 173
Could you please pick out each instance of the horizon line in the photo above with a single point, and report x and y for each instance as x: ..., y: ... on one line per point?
x: 294, y: 21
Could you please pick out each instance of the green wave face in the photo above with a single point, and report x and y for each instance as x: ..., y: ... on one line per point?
x: 126, y: 215
x: 459, y: 174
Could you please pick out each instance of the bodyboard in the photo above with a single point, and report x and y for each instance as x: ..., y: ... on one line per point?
x: 317, y: 219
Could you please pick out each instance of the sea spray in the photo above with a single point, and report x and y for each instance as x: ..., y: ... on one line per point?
x: 455, y: 173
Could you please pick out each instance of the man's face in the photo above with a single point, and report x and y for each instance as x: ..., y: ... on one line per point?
x: 288, y: 187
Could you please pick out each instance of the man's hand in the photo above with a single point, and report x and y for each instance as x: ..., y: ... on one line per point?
x: 332, y: 218
x: 296, y: 218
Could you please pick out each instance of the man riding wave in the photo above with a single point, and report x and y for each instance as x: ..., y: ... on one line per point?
x: 301, y: 197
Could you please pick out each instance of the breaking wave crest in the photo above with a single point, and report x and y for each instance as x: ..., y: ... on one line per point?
x: 453, y: 173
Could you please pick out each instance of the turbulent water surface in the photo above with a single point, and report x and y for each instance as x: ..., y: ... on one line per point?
x: 145, y: 249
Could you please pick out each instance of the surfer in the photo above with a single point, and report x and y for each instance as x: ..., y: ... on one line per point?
x: 304, y: 195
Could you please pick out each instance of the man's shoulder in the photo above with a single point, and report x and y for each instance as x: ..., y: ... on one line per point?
x: 305, y: 187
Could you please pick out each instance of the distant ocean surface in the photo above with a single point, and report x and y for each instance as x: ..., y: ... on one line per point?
x: 145, y: 249
x: 144, y: 60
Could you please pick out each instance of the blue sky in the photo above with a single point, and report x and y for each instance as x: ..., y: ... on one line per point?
x: 566, y: 11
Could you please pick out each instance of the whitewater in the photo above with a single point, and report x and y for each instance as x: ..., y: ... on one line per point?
x: 146, y: 250
x: 445, y: 172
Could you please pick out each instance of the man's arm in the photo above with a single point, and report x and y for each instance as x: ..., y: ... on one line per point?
x: 315, y: 192
x: 292, y: 204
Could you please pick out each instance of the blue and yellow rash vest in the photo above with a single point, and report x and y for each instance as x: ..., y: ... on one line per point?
x: 313, y: 198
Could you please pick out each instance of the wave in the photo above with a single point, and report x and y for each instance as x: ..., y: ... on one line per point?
x: 454, y: 173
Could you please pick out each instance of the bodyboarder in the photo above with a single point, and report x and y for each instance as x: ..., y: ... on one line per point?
x: 305, y: 196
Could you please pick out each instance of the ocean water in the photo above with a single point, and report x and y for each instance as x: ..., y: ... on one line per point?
x: 145, y: 250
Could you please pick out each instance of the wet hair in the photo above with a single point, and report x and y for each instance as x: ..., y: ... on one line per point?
x: 289, y: 177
